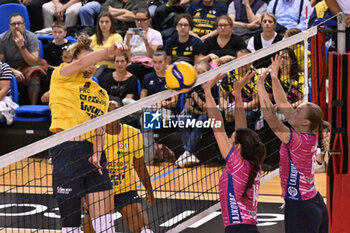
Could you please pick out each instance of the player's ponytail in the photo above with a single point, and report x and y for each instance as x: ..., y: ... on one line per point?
x: 252, y: 150
x: 83, y: 44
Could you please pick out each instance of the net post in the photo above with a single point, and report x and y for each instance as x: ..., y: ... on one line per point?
x: 341, y: 32
x: 306, y: 67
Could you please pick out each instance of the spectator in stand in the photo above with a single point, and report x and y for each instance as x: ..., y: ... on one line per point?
x: 337, y: 6
x: 104, y: 37
x: 164, y: 14
x: 267, y: 37
x: 153, y: 83
x: 290, y: 13
x: 54, y: 50
x: 205, y: 14
x: 223, y: 47
x: 298, y: 48
x: 63, y: 10
x: 123, y: 12
x: 142, y: 41
x: 121, y: 83
x: 195, y: 108
x: 20, y: 49
x: 249, y: 93
x: 291, y: 79
x: 88, y: 12
x: 34, y: 10
x: 7, y: 106
x: 246, y: 16
x: 182, y: 46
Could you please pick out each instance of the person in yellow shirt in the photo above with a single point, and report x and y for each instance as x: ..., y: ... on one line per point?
x: 104, y: 37
x: 124, y: 150
x: 79, y: 165
x: 249, y: 93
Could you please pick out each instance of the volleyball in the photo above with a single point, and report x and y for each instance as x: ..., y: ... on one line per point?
x: 180, y: 76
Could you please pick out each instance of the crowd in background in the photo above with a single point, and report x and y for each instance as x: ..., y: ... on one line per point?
x: 204, y: 33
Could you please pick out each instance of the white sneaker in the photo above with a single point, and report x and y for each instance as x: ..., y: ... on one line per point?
x: 320, y: 168
x: 191, y: 161
x: 181, y: 160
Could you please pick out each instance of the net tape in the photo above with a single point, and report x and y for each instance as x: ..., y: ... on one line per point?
x: 61, y: 137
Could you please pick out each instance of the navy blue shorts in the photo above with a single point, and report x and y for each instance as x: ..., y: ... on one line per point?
x: 241, y: 228
x: 306, y: 216
x: 123, y: 199
x: 74, y: 177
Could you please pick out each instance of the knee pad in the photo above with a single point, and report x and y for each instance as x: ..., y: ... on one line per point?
x: 34, y: 85
x: 70, y: 211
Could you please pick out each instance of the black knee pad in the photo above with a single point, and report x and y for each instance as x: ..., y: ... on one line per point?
x: 70, y: 211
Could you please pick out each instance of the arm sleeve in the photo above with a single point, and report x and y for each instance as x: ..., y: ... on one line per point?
x: 270, y: 6
x: 250, y: 45
x: 262, y: 9
x: 231, y: 9
x: 197, y: 47
x: 204, y: 49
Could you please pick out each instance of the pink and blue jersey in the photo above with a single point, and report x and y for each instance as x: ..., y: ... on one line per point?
x: 232, y: 183
x: 297, y: 166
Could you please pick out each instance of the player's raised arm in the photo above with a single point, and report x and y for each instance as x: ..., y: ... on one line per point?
x: 214, y: 113
x: 240, y: 116
x: 281, y: 131
x: 278, y: 93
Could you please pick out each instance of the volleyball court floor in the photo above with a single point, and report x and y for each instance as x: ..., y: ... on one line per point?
x: 28, y: 209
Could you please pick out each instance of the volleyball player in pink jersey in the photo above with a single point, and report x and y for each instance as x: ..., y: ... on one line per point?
x: 244, y: 153
x: 305, y: 210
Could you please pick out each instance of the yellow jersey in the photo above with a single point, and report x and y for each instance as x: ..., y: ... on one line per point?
x: 121, y: 149
x: 75, y: 100
x: 106, y: 44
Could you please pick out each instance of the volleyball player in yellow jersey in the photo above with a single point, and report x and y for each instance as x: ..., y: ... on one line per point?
x: 79, y: 165
x: 124, y: 150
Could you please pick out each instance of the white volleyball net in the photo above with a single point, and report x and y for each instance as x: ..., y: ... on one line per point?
x: 183, y: 195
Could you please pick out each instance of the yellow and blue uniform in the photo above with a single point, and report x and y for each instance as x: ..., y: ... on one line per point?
x: 121, y: 149
x: 75, y: 100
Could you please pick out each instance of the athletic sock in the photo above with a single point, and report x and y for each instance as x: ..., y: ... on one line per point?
x: 103, y: 224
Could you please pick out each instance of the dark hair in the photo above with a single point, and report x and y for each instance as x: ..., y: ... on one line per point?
x: 184, y: 16
x: 225, y: 17
x: 143, y: 11
x: 99, y: 36
x: 15, y: 15
x: 294, y: 69
x: 123, y: 55
x: 116, y: 99
x: 83, y: 44
x: 59, y: 24
x: 159, y: 53
x: 252, y: 150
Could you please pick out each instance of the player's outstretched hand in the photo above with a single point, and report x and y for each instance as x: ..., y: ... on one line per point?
x: 238, y: 85
x: 208, y: 85
x: 117, y: 48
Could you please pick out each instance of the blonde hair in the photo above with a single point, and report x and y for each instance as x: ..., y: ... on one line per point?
x: 83, y: 44
x: 271, y: 15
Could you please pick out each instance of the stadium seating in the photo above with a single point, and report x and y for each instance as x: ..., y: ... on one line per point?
x: 6, y: 10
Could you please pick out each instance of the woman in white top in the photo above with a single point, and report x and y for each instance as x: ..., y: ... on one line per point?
x: 267, y: 37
